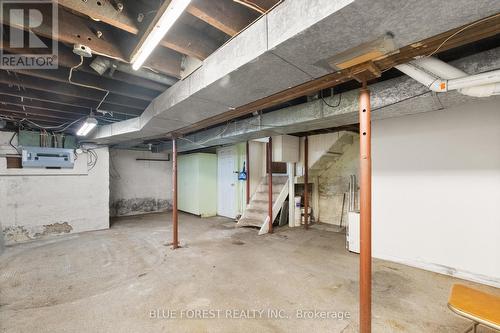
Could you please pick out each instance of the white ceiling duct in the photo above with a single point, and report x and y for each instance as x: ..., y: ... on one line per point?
x: 439, y: 76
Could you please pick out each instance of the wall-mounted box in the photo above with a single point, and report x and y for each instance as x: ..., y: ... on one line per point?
x: 48, y: 158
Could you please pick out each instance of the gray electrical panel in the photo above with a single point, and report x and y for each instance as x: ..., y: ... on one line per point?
x: 48, y: 158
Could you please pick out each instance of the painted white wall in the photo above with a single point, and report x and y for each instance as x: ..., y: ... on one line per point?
x: 139, y: 187
x: 48, y: 203
x: 436, y: 191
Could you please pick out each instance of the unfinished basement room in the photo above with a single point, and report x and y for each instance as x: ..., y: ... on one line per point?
x: 250, y: 166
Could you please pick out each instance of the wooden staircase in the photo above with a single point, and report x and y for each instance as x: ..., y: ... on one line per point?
x: 256, y: 212
x: 332, y: 155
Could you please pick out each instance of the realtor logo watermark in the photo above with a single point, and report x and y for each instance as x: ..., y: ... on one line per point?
x: 20, y: 47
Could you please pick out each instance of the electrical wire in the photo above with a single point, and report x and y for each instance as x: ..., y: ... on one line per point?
x: 332, y: 106
x: 56, y: 129
x: 12, y: 145
x: 92, y: 158
x: 460, y: 31
x: 85, y: 85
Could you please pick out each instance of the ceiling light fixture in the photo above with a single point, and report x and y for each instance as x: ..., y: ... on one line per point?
x: 163, y: 24
x: 87, y: 126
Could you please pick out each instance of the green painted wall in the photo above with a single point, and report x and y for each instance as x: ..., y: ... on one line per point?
x: 197, y: 184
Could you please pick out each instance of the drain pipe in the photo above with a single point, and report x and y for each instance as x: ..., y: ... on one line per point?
x: 439, y: 76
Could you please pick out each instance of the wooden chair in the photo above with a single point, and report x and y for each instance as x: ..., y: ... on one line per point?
x: 479, y: 307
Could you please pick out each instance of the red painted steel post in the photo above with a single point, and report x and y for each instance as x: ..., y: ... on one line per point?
x: 365, y: 271
x: 306, y: 182
x: 175, y: 217
x: 270, y: 182
x: 248, y: 172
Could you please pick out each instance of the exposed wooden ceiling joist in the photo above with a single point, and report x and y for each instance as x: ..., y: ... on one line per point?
x: 29, y: 111
x: 67, y: 101
x: 44, y: 120
x: 67, y: 89
x: 43, y: 106
x: 224, y: 15
x: 260, y: 6
x: 67, y: 59
x: 105, y: 11
x: 183, y: 39
x: 189, y: 41
x: 116, y: 87
x: 74, y: 29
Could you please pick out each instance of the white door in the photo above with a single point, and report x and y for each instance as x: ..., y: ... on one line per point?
x: 226, y: 182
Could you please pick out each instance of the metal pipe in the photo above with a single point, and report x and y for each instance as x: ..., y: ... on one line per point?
x: 175, y: 217
x: 102, y: 64
x: 440, y: 76
x: 248, y: 171
x: 350, y: 194
x: 270, y: 182
x: 365, y: 271
x: 306, y: 182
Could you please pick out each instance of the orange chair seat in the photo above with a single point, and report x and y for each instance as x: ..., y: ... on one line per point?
x: 475, y: 305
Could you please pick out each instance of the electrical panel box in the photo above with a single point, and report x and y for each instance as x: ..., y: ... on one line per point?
x: 48, y: 158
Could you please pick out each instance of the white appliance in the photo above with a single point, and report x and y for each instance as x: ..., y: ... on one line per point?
x: 352, y: 235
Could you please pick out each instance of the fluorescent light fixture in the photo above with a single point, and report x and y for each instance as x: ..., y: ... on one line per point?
x: 166, y: 21
x: 87, y: 126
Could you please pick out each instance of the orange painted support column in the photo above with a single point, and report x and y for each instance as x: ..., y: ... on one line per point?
x: 306, y: 182
x: 365, y: 268
x: 248, y: 172
x: 175, y: 217
x: 270, y: 182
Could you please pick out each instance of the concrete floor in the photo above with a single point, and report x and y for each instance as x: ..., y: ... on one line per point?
x: 110, y: 281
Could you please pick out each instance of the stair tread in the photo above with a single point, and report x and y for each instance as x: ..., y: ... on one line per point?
x: 245, y: 221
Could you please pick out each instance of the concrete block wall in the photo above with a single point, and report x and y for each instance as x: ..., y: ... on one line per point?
x: 139, y: 186
x: 37, y: 203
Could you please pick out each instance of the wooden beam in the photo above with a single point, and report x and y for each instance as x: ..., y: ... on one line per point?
x: 80, y: 77
x: 480, y: 31
x: 64, y: 100
x: 43, y: 119
x: 260, y: 6
x: 44, y: 106
x: 183, y: 39
x: 169, y: 61
x: 189, y: 41
x: 74, y: 29
x: 29, y: 111
x: 67, y: 89
x: 106, y: 11
x: 224, y: 15
x: 66, y: 58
